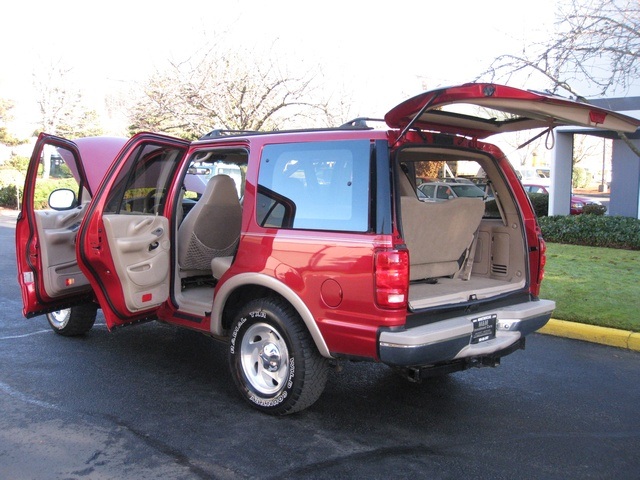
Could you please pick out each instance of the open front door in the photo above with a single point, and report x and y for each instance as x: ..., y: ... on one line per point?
x: 46, y: 229
x: 124, y: 245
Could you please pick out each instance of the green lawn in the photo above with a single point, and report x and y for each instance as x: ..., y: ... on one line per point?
x: 599, y: 286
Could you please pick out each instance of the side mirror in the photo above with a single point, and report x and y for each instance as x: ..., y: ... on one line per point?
x: 62, y: 199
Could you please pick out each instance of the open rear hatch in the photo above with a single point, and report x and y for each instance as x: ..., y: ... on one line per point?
x: 480, y: 110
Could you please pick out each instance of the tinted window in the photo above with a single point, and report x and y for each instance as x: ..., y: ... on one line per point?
x: 143, y: 183
x: 467, y: 191
x: 428, y: 190
x: 444, y: 193
x: 319, y: 186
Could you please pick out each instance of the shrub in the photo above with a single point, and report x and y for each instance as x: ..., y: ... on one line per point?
x: 19, y: 163
x: 594, y: 209
x: 579, y: 177
x: 8, y: 196
x: 540, y: 202
x: 592, y: 230
x: 45, y: 187
x: 43, y: 190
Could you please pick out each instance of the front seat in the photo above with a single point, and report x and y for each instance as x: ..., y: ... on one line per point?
x: 211, y: 228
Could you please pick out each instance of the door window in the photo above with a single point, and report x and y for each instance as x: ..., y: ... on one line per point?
x: 444, y: 193
x: 57, y: 170
x: 142, y: 186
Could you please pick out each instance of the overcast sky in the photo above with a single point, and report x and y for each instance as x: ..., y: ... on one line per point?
x: 383, y: 52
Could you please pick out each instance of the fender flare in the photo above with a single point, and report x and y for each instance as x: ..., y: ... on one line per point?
x: 237, y: 281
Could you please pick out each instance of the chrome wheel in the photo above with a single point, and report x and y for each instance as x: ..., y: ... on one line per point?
x: 73, y: 321
x: 59, y: 319
x: 264, y: 358
x: 273, y: 360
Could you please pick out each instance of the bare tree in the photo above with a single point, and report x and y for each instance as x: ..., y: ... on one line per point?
x: 232, y: 91
x: 5, y: 117
x: 61, y: 107
x: 51, y: 85
x: 596, y: 43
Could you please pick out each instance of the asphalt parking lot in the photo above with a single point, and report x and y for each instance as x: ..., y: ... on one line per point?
x: 153, y: 401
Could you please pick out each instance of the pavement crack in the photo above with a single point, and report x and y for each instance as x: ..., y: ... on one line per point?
x: 359, y: 458
x: 178, y: 457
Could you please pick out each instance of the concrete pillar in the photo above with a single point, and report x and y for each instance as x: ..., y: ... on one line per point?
x: 561, y: 160
x: 625, y: 180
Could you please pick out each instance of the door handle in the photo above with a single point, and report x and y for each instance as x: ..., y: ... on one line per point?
x: 153, y: 245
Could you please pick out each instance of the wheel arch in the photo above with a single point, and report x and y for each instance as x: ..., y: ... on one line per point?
x: 247, y: 286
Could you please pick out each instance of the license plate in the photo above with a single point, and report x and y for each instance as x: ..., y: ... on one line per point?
x: 484, y: 328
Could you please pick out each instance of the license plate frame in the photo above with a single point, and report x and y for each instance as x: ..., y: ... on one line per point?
x: 484, y: 328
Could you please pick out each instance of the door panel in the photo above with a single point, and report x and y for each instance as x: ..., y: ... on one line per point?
x: 139, y: 246
x: 58, y: 231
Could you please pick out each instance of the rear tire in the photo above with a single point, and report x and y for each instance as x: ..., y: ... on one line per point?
x: 73, y: 321
x: 273, y: 359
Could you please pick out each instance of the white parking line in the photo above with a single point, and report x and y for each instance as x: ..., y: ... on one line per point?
x: 25, y: 335
x: 4, y: 388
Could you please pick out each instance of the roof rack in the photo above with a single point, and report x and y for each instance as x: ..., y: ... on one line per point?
x: 221, y: 132
x: 355, y: 124
x: 360, y: 122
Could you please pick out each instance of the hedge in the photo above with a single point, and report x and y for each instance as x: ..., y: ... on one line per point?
x: 592, y: 231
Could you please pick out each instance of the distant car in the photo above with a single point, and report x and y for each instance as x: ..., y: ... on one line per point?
x: 537, y: 176
x: 421, y: 180
x: 441, y: 191
x: 455, y: 180
x: 577, y: 203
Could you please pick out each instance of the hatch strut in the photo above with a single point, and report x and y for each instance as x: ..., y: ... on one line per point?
x: 549, y: 144
x: 436, y: 94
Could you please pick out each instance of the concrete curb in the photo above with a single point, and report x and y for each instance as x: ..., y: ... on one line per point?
x: 591, y: 333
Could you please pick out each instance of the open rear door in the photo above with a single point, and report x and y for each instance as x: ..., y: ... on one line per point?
x: 124, y: 245
x: 480, y: 110
x: 48, y: 272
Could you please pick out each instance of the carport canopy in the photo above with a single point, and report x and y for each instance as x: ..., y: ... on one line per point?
x: 625, y: 163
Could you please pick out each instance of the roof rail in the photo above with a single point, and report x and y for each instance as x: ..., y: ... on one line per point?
x: 355, y: 124
x: 221, y: 132
x: 360, y: 122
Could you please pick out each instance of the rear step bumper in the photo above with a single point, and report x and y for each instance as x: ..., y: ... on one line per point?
x: 451, y: 339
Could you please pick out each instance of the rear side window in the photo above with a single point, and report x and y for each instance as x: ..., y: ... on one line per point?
x: 317, y: 186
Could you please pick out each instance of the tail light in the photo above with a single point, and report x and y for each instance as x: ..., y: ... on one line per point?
x: 392, y: 278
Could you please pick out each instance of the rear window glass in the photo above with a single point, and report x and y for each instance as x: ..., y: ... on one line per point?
x: 317, y: 186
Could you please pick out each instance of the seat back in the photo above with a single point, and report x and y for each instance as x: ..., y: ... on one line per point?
x: 438, y: 234
x: 212, y: 227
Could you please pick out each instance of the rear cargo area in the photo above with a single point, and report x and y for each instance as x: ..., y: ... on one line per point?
x: 461, y: 225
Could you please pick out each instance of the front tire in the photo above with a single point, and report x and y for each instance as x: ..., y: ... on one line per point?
x: 273, y: 360
x: 73, y: 321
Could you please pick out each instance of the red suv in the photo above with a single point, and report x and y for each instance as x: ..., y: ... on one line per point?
x: 302, y: 249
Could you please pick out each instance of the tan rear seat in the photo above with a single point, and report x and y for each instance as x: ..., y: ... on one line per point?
x: 438, y: 233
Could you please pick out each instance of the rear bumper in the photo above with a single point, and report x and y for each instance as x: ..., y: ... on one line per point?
x: 449, y: 340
